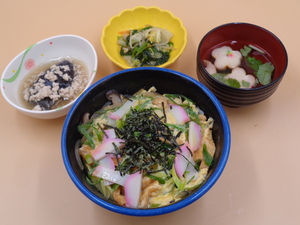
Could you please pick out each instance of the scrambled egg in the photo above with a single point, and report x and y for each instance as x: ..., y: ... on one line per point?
x: 155, y: 194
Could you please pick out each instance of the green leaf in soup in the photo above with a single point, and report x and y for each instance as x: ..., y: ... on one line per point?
x: 253, y: 63
x: 264, y: 73
x: 219, y: 76
x: 245, y: 84
x: 233, y: 82
x: 229, y: 81
x: 245, y: 51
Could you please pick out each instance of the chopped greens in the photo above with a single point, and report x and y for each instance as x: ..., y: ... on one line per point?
x: 178, y: 182
x: 159, y: 179
x: 89, y: 131
x: 150, y: 46
x: 207, y: 157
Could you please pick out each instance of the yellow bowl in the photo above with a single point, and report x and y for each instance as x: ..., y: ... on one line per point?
x: 137, y: 18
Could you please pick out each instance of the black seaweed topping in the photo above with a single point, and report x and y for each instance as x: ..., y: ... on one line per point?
x: 149, y: 144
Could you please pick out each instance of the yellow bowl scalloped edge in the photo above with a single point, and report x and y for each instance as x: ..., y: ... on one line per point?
x: 137, y: 18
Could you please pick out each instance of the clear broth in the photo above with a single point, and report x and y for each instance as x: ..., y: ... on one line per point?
x: 237, y: 45
x: 33, y: 75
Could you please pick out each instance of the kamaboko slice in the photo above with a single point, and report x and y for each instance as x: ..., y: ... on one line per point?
x: 132, y: 189
x: 107, y: 146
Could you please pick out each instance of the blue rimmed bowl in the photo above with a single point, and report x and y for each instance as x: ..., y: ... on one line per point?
x: 128, y: 82
x: 138, y: 18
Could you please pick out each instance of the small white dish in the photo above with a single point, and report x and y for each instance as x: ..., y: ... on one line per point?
x: 40, y: 53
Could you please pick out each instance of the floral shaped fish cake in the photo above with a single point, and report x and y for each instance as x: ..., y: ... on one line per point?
x: 210, y: 68
x: 245, y: 80
x: 226, y: 57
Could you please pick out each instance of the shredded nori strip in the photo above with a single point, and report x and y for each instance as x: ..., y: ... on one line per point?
x: 149, y: 144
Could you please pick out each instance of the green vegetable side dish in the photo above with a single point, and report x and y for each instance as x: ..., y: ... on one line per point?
x: 230, y: 67
x: 146, y: 150
x: 150, y: 46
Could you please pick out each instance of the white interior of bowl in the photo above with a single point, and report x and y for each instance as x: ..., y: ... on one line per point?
x: 51, y: 48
